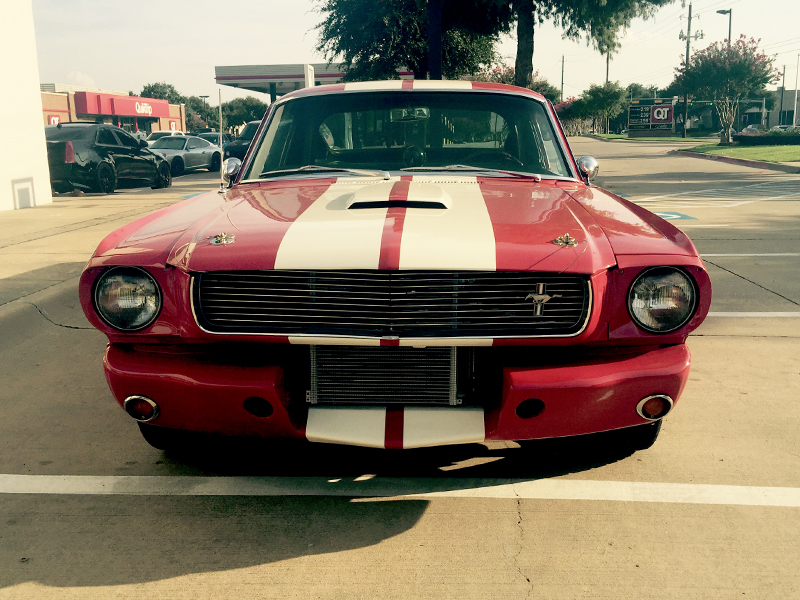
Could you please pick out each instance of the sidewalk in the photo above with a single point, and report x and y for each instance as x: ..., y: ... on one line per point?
x: 47, y: 245
x: 786, y: 167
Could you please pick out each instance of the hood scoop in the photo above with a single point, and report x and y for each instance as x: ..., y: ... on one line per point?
x: 420, y: 195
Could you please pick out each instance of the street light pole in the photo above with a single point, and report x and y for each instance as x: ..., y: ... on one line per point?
x: 728, y: 12
x: 698, y: 35
x: 205, y: 106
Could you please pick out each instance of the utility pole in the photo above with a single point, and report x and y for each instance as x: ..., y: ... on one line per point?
x: 688, y: 37
x: 783, y: 93
x: 796, y: 73
x: 562, y: 78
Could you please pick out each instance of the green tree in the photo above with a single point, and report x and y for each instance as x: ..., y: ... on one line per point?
x: 375, y: 40
x: 163, y: 91
x: 241, y: 110
x: 600, y: 21
x: 604, y: 102
x: 502, y: 73
x: 727, y: 73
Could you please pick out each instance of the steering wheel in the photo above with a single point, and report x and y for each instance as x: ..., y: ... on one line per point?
x: 493, y: 157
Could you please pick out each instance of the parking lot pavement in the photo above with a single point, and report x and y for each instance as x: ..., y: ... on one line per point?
x: 88, y: 510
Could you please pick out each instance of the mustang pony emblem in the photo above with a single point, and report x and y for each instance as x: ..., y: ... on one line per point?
x: 221, y: 239
x: 540, y: 298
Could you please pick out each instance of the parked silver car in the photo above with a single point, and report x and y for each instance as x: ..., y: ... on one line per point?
x: 186, y: 153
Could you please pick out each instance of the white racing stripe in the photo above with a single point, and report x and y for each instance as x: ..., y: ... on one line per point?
x: 459, y: 237
x: 357, y: 426
x: 424, y: 427
x: 377, y: 487
x: 329, y: 236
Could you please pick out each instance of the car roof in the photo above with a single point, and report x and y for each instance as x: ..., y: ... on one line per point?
x: 410, y: 85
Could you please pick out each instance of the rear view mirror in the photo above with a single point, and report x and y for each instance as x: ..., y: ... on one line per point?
x: 401, y: 115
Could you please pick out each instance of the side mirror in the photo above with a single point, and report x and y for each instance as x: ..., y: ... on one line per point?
x: 588, y: 168
x: 142, y: 143
x: 230, y: 170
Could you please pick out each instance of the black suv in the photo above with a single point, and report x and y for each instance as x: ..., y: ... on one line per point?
x: 238, y: 147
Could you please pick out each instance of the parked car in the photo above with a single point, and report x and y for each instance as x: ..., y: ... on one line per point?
x: 100, y: 158
x: 238, y: 147
x: 753, y: 129
x: 187, y: 153
x: 400, y: 268
x: 213, y: 137
x: 157, y: 135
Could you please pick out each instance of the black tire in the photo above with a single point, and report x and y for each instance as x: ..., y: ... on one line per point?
x: 163, y: 177
x: 216, y: 161
x: 177, y: 167
x: 105, y: 178
x: 162, y: 438
x: 640, y: 437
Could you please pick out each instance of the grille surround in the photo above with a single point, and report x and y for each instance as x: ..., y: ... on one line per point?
x: 391, y: 304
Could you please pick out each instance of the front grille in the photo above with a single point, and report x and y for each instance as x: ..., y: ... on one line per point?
x: 383, y: 375
x: 392, y: 303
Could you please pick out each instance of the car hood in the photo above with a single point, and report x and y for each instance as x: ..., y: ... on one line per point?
x: 419, y: 223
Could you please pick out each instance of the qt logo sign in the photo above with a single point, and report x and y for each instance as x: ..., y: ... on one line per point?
x: 661, y: 114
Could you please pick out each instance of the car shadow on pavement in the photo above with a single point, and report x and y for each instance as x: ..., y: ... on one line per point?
x: 79, y: 541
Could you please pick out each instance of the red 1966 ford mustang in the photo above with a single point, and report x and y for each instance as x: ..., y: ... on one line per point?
x: 398, y: 265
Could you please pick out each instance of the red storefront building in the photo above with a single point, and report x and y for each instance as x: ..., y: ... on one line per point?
x: 132, y: 113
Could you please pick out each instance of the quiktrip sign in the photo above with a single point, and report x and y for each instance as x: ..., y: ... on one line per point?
x: 651, y: 115
x: 92, y: 103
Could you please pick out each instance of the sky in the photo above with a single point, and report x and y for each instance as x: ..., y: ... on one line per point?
x: 123, y: 45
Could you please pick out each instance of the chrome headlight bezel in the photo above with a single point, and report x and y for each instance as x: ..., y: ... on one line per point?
x: 146, y: 277
x: 654, y: 272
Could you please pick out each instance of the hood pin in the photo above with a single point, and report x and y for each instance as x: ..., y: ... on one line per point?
x: 565, y: 241
x: 221, y: 239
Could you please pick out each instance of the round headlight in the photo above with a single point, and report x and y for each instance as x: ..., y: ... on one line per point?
x: 127, y: 298
x: 662, y: 299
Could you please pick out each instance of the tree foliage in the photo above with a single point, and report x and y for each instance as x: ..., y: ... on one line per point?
x: 502, y: 73
x: 200, y: 115
x: 599, y: 21
x: 374, y: 40
x: 727, y: 72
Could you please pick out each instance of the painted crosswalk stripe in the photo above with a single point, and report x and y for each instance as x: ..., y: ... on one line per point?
x: 402, y: 488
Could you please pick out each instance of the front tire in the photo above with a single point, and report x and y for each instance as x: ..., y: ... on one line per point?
x: 162, y: 438
x: 163, y: 177
x: 177, y: 167
x: 105, y: 179
x: 216, y: 161
x: 640, y: 437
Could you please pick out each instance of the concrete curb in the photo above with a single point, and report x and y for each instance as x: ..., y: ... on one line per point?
x: 756, y: 164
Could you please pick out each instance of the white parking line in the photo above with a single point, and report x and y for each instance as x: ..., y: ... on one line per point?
x: 376, y: 487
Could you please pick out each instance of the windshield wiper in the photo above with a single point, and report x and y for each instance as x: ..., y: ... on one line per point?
x: 321, y: 169
x: 515, y: 174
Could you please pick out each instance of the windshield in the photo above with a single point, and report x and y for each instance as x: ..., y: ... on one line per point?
x: 419, y: 131
x: 173, y: 142
x: 54, y: 133
x: 250, y: 130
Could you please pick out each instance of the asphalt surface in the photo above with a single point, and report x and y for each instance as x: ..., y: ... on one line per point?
x: 711, y: 511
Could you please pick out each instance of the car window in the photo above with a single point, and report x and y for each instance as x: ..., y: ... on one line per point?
x: 126, y: 139
x: 156, y: 135
x: 107, y: 137
x: 396, y: 131
x: 249, y: 131
x: 67, y: 133
x: 170, y: 142
x: 197, y: 143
